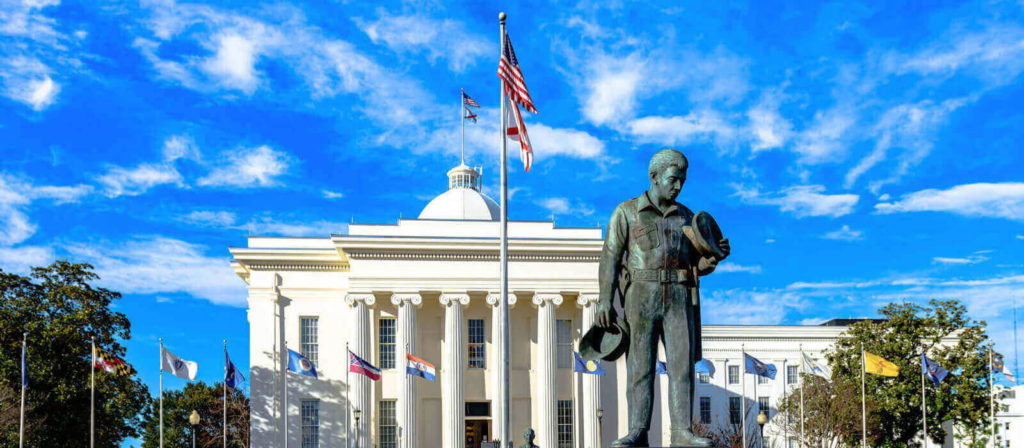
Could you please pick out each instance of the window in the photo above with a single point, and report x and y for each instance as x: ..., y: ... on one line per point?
x: 762, y: 379
x: 791, y: 375
x: 477, y: 353
x: 478, y: 409
x: 386, y: 425
x: 762, y: 405
x: 703, y: 378
x: 734, y: 374
x: 310, y: 347
x: 734, y: 410
x: 310, y: 423
x: 563, y: 333
x: 565, y: 424
x: 705, y: 410
x: 386, y: 343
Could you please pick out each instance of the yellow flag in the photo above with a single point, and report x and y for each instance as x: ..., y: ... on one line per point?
x: 877, y: 365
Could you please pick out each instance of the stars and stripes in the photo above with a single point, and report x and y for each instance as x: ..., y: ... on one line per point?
x: 105, y: 361
x: 467, y: 101
x: 515, y: 85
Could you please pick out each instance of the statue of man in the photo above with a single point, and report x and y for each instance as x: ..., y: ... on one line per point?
x: 650, y: 249
x: 528, y: 437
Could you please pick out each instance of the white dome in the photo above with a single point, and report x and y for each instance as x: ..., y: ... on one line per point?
x: 462, y: 203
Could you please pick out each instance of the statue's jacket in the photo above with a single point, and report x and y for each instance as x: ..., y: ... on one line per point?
x: 649, y: 254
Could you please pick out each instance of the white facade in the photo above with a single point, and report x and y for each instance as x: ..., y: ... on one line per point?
x: 430, y: 286
x: 1010, y: 417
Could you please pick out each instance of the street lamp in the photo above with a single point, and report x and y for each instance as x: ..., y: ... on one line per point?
x: 357, y: 414
x: 762, y: 418
x: 600, y: 413
x: 193, y: 420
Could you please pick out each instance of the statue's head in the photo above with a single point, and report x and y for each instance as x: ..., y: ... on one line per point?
x: 668, y: 173
x: 529, y: 435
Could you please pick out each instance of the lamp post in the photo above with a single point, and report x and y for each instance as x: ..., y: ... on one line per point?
x: 762, y: 418
x: 600, y: 413
x: 357, y: 413
x: 193, y: 420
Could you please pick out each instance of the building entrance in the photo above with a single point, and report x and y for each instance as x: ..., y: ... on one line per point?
x: 477, y: 430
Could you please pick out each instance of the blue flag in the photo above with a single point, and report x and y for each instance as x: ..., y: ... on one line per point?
x: 583, y: 366
x: 299, y: 364
x: 232, y: 377
x: 933, y: 370
x: 660, y: 368
x: 759, y: 368
x: 706, y: 367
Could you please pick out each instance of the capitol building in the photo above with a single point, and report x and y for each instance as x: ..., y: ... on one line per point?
x: 429, y: 287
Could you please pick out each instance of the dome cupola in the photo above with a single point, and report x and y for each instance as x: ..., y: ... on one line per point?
x: 463, y: 199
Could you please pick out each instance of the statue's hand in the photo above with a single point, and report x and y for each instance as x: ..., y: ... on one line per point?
x: 724, y: 245
x: 605, y: 314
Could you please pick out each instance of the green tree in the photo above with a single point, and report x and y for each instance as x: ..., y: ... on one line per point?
x: 832, y: 411
x: 208, y: 401
x: 904, y: 332
x: 62, y: 312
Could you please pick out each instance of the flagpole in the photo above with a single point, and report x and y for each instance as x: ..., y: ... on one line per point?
x: 863, y: 399
x: 991, y: 400
x: 803, y: 377
x: 348, y: 404
x: 161, y: 392
x: 285, y: 379
x: 503, y: 382
x: 24, y: 367
x: 924, y: 406
x: 225, y: 387
x: 743, y: 395
x: 92, y: 397
x: 462, y: 115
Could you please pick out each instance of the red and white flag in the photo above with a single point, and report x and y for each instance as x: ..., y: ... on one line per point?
x: 516, y: 130
x: 105, y: 361
x: 514, y: 87
x: 358, y: 365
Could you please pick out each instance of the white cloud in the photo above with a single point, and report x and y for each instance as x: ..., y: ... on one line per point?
x: 180, y: 147
x: 613, y: 92
x: 729, y: 266
x: 992, y: 200
x: 550, y: 142
x: 272, y: 227
x: 973, y: 259
x: 209, y: 218
x: 844, y: 233
x: 31, y: 38
x: 698, y: 125
x: 234, y: 63
x: 803, y: 201
x: 249, y: 167
x: 1020, y: 237
x: 752, y: 307
x: 21, y: 259
x: 17, y: 195
x: 160, y: 265
x: 118, y: 181
x: 328, y: 194
x: 826, y: 139
x: 769, y: 128
x: 439, y: 39
x: 562, y: 206
x: 995, y: 53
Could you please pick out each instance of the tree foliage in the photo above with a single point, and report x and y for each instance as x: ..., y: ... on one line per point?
x: 62, y: 312
x: 208, y: 401
x: 904, y: 332
x: 832, y: 411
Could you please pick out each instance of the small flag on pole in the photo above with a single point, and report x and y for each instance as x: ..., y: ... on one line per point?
x: 933, y: 370
x: 514, y: 87
x: 813, y: 367
x: 877, y: 365
x: 584, y: 366
x: 300, y: 364
x: 759, y: 368
x: 418, y: 367
x: 517, y: 131
x: 357, y: 365
x: 110, y: 363
x: 999, y: 367
x: 232, y: 377
x: 176, y: 366
x: 660, y: 368
x: 467, y: 101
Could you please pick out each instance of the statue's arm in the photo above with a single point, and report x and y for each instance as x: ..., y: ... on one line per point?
x: 615, y: 241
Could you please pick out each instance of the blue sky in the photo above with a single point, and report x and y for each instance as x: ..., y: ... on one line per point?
x: 854, y: 153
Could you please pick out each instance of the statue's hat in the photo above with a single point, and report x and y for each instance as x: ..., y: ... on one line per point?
x: 607, y: 343
x: 706, y: 235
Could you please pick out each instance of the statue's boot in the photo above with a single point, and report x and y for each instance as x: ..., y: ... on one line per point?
x: 687, y: 438
x: 633, y: 439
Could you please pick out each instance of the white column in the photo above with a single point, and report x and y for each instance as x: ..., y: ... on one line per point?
x: 591, y: 383
x: 497, y: 348
x: 359, y: 342
x: 546, y: 369
x: 406, y: 340
x: 453, y: 411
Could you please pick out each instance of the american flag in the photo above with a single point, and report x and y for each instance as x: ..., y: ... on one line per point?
x: 466, y: 100
x: 515, y: 85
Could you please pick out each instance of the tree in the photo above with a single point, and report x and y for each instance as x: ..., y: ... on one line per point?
x: 832, y: 412
x: 62, y: 312
x: 904, y: 332
x: 208, y: 402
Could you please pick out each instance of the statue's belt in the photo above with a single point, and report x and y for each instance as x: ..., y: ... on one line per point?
x: 662, y: 275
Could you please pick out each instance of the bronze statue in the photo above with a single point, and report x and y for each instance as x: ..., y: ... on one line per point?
x: 528, y: 436
x: 654, y: 252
